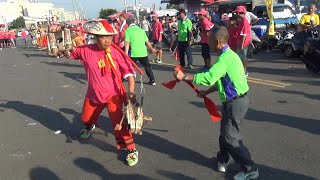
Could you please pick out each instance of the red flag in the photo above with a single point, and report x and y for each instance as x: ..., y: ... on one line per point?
x: 172, y: 84
x: 210, y: 105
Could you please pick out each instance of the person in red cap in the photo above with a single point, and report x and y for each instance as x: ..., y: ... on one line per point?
x: 157, y: 32
x: 244, y: 35
x: 206, y: 26
x: 106, y: 65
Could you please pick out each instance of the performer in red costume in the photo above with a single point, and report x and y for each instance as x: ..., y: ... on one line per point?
x: 106, y: 66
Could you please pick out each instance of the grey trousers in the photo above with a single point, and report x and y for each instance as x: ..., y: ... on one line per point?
x: 230, y: 140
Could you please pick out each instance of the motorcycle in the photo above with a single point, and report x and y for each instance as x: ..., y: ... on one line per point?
x: 312, y: 59
x: 255, y: 45
x: 295, y: 46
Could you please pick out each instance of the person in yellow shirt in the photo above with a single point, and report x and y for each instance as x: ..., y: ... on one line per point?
x: 310, y: 18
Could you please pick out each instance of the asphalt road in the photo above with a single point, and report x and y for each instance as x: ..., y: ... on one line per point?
x: 41, y: 94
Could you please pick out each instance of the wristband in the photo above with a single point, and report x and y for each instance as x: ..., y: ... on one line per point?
x: 185, y: 77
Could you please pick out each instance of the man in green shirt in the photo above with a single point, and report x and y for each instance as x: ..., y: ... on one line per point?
x: 136, y: 38
x: 228, y: 78
x: 184, y: 39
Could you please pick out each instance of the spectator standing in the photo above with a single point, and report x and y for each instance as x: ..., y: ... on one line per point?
x: 233, y: 33
x: 145, y: 25
x: 24, y: 37
x: 311, y: 17
x: 244, y: 38
x: 216, y: 16
x: 206, y: 26
x: 253, y: 19
x: 123, y: 27
x: 173, y: 26
x: 137, y: 40
x: 184, y: 38
x: 12, y: 36
x: 115, y: 25
x: 157, y: 32
x: 2, y: 41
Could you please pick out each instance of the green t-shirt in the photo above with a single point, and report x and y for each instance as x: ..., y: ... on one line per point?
x: 227, y: 74
x: 184, y: 26
x: 137, y: 39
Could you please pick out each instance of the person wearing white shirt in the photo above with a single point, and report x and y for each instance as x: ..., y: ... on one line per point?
x: 251, y: 17
x: 145, y: 25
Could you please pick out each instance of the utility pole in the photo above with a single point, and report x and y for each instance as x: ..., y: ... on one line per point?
x: 74, y: 10
x: 125, y: 5
x: 298, y: 5
x: 137, y: 10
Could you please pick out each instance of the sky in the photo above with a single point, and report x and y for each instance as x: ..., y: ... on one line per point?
x: 92, y: 7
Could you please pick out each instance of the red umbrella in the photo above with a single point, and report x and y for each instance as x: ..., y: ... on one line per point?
x: 210, y: 105
x: 77, y: 22
x: 117, y: 14
x: 80, y: 29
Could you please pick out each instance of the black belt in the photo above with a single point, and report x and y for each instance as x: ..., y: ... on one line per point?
x: 239, y: 97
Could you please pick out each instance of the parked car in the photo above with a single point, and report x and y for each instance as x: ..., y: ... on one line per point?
x: 284, y: 17
x: 283, y: 14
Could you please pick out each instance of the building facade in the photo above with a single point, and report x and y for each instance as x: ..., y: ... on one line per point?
x: 13, y: 9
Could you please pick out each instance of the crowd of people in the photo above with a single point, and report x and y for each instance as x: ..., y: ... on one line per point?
x: 7, y: 39
x: 118, y: 45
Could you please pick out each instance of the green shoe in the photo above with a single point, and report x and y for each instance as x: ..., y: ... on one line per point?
x: 132, y: 157
x: 86, y: 132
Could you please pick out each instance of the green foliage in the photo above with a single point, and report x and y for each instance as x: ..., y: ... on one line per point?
x: 172, y: 6
x: 104, y: 13
x: 17, y: 23
x: 316, y: 2
x: 143, y: 13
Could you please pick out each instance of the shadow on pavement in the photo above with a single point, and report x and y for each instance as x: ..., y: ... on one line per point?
x: 93, y: 167
x: 42, y: 173
x: 174, y: 175
x: 156, y: 143
x: 54, y: 121
x: 267, y: 173
x: 307, y: 125
x: 295, y: 72
x: 79, y: 77
x: 36, y: 55
x: 198, y: 104
x: 65, y: 64
x: 307, y: 95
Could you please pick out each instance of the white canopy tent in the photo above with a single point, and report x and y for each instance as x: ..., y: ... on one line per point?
x: 171, y: 12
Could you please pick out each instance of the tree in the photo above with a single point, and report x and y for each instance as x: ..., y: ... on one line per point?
x: 316, y: 2
x: 104, y: 13
x: 17, y: 23
x: 172, y: 6
x: 143, y: 13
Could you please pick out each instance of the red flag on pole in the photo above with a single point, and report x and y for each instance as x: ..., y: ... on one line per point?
x: 210, y: 105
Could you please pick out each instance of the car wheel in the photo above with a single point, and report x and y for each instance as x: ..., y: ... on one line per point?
x: 288, y: 51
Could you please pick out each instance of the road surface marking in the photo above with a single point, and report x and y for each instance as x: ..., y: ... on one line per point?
x: 250, y: 79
